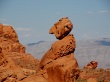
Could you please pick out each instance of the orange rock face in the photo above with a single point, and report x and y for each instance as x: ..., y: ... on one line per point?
x: 91, y: 80
x: 61, y: 28
x: 92, y: 65
x: 59, y: 61
x: 15, y: 64
x: 9, y: 40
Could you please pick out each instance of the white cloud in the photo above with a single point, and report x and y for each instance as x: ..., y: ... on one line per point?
x: 7, y: 24
x: 2, y: 19
x: 26, y: 35
x: 99, y: 12
x: 24, y: 32
x: 23, y: 29
x: 103, y: 11
x: 58, y: 13
x: 90, y: 13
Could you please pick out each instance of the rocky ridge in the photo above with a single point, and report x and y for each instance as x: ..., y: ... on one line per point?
x: 15, y: 64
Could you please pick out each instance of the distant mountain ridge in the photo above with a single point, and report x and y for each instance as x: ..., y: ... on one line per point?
x: 104, y: 41
x: 31, y: 44
x: 86, y: 51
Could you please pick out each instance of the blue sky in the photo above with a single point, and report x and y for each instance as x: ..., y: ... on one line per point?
x: 32, y: 19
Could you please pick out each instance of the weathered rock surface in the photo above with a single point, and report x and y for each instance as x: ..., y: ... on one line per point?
x: 59, y: 61
x: 15, y: 64
x: 91, y: 65
x: 91, y: 80
x: 9, y: 40
x: 59, y: 64
x: 61, y: 28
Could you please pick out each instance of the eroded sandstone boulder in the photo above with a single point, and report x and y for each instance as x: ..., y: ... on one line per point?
x: 91, y: 65
x: 61, y: 28
x: 59, y: 61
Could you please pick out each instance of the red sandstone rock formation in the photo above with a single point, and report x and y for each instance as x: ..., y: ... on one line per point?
x: 61, y: 28
x: 57, y: 65
x: 91, y: 65
x: 92, y: 80
x: 15, y: 64
x: 9, y: 40
x: 59, y: 62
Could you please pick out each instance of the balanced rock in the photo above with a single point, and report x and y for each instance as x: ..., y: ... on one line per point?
x: 59, y: 61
